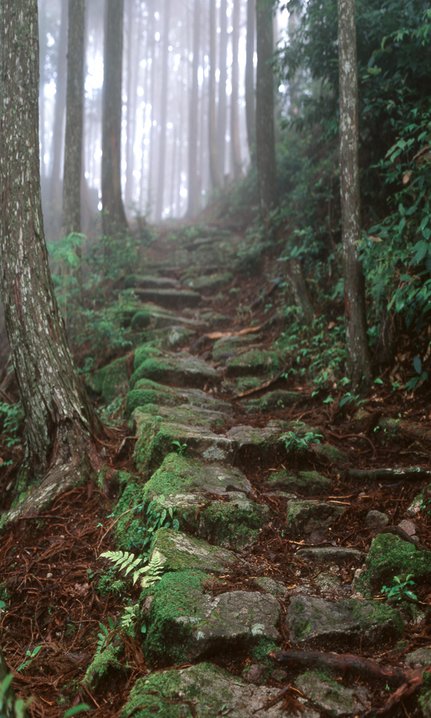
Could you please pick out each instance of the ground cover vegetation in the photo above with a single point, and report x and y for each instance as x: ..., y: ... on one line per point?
x: 197, y: 567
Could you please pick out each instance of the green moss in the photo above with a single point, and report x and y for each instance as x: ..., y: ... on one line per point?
x: 150, y: 368
x: 254, y: 362
x: 141, y: 320
x: 144, y: 352
x: 231, y: 524
x: 263, y: 648
x: 150, y: 392
x: 172, y: 477
x: 99, y: 666
x: 390, y: 556
x: 174, y: 599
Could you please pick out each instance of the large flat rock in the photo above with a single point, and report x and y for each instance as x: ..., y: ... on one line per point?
x: 146, y: 391
x: 201, y: 691
x: 183, y: 623
x: 344, y: 625
x: 181, y: 552
x: 181, y: 369
x: 157, y: 438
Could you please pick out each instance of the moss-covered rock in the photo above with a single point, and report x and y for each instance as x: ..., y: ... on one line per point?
x: 327, y: 694
x: 210, y: 284
x: 180, y: 369
x: 141, y: 320
x: 156, y: 439
x: 254, y: 362
x: 226, y: 347
x: 310, y: 518
x: 187, y: 414
x: 181, y: 552
x: 111, y: 381
x: 391, y: 556
x: 273, y: 400
x: 150, y: 392
x: 306, y: 483
x: 314, y: 622
x: 170, y: 298
x: 201, y: 691
x: 182, y: 474
x: 186, y: 624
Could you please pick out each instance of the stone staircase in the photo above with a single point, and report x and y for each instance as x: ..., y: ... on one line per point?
x: 191, y: 461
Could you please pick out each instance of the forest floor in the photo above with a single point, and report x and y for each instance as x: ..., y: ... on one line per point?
x: 54, y: 615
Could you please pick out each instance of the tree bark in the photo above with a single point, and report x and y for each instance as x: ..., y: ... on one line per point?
x: 265, y: 136
x: 216, y: 179
x: 74, y: 119
x: 250, y: 111
x: 60, y: 421
x: 221, y: 110
x: 58, y: 128
x: 163, y: 113
x: 113, y: 216
x: 358, y: 355
x: 234, y: 115
x: 193, y: 179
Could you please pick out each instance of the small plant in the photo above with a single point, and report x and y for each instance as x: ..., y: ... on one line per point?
x: 142, y: 533
x: 400, y: 589
x: 179, y: 448
x: 127, y: 562
x: 12, y: 415
x: 8, y: 705
x: 299, y: 443
x: 420, y: 375
x: 31, y: 655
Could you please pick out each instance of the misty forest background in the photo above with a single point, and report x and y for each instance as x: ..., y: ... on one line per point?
x: 188, y: 152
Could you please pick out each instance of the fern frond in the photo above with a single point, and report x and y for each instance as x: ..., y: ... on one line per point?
x: 127, y: 562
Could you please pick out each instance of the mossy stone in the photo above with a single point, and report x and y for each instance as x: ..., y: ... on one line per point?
x: 150, y: 392
x: 141, y: 320
x: 391, y: 556
x: 306, y: 483
x: 254, y: 362
x: 110, y: 381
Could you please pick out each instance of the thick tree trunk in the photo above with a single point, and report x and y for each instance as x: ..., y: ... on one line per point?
x: 250, y: 111
x: 163, y: 113
x: 114, y: 217
x: 265, y: 137
x: 59, y: 418
x: 358, y: 356
x: 193, y: 179
x: 221, y: 110
x: 74, y: 119
x: 216, y: 179
x: 234, y: 114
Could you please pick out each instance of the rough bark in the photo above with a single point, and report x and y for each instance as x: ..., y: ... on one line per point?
x: 163, y: 112
x: 358, y: 355
x: 193, y: 180
x: 59, y: 418
x: 265, y: 136
x: 113, y: 217
x: 74, y: 119
x: 216, y: 178
x: 296, y: 279
x: 234, y: 114
x: 250, y: 111
x: 221, y: 110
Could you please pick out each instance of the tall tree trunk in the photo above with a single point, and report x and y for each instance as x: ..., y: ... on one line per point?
x: 216, y: 179
x: 58, y: 128
x: 163, y: 113
x: 113, y: 217
x: 358, y: 356
x: 265, y: 136
x: 152, y: 100
x: 193, y: 180
x: 59, y: 417
x: 222, y: 105
x: 234, y: 115
x: 74, y: 119
x: 250, y: 112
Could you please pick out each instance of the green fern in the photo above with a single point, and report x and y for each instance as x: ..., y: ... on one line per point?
x: 127, y: 562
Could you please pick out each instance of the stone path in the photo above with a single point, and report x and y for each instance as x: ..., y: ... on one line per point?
x: 187, y: 473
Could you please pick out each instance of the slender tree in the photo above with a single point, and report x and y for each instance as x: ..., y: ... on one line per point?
x: 265, y: 137
x: 250, y: 111
x: 114, y: 217
x: 234, y: 99
x: 358, y: 356
x: 60, y: 421
x: 74, y: 119
x: 222, y: 103
x: 163, y: 112
x: 193, y: 179
x: 216, y: 179
x: 58, y: 126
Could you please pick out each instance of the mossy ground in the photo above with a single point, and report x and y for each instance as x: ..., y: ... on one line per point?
x: 390, y: 556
